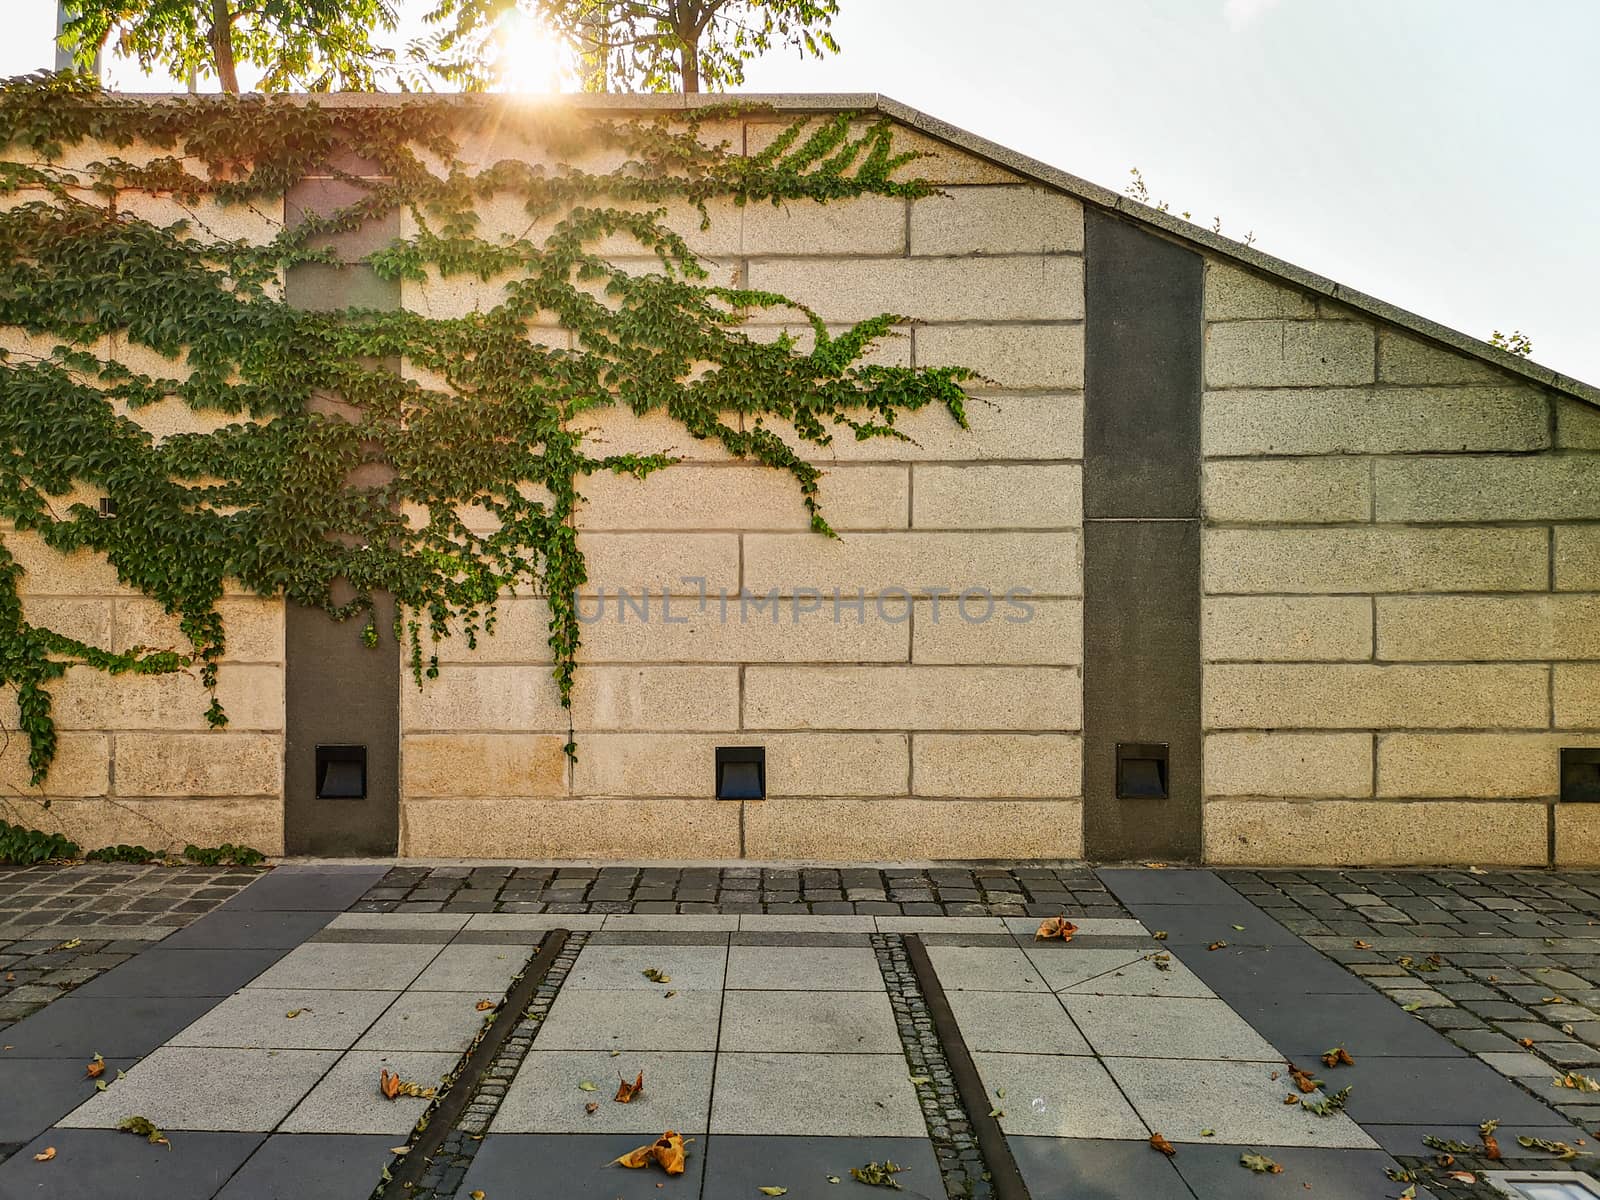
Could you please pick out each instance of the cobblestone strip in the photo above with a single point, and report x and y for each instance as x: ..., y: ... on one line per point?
x: 449, y: 1166
x: 955, y: 1145
x: 1042, y: 890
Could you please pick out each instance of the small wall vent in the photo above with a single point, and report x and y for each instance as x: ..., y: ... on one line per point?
x: 741, y: 772
x: 1580, y: 775
x: 341, y: 772
x: 1142, y: 771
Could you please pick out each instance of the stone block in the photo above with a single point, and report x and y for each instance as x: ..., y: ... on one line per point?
x: 89, y: 621
x: 1466, y: 765
x: 1403, y: 358
x: 853, y: 225
x: 1546, y: 487
x: 1577, y: 835
x: 1485, y: 628
x: 506, y: 215
x: 899, y: 830
x: 617, y: 430
x: 1235, y: 294
x: 679, y: 629
x: 1374, y: 420
x: 1577, y: 558
x: 999, y: 426
x: 892, y: 349
x: 199, y: 764
x: 257, y: 222
x: 165, y: 824
x: 980, y: 765
x: 743, y: 496
x: 1024, y: 496
x: 1255, y: 354
x: 1577, y: 424
x: 798, y: 764
x: 1048, y: 564
x: 956, y: 698
x: 521, y: 635
x: 537, y: 827
x: 1009, y: 288
x: 656, y: 698
x: 996, y: 220
x: 1028, y: 632
x: 49, y: 572
x: 1340, y: 696
x: 1374, y: 559
x: 82, y: 766
x: 483, y: 764
x: 1286, y: 628
x: 252, y: 697
x: 1288, y: 491
x: 1007, y: 356
x: 1374, y: 833
x: 649, y: 562
x: 482, y: 698
x: 936, y: 162
x: 1577, y: 696
x: 253, y: 626
x: 1288, y: 764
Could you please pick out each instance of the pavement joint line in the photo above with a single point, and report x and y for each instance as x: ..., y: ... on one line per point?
x: 945, y: 1054
x: 454, y: 1112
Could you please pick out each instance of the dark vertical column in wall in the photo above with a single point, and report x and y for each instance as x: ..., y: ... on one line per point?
x: 339, y: 692
x: 1141, y: 501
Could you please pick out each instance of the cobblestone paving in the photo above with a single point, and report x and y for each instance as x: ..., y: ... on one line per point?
x: 1506, y: 964
x: 60, y: 926
x: 955, y: 1145
x: 909, y: 891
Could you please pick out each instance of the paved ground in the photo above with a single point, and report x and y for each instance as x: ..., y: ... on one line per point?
x: 792, y: 1036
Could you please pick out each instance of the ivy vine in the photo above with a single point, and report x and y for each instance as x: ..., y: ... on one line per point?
x: 292, y: 495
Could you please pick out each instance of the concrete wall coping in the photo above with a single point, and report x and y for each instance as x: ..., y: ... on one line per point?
x: 1003, y: 156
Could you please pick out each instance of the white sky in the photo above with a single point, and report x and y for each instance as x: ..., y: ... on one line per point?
x: 1438, y: 154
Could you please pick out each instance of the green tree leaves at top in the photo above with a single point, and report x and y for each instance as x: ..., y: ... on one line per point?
x: 298, y: 45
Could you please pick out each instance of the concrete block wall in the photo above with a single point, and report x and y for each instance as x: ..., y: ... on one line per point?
x: 917, y: 734
x: 1399, y: 622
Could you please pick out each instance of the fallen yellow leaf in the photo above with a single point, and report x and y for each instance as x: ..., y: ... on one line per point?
x: 666, y: 1152
x: 627, y: 1091
x: 45, y: 1155
x: 1158, y: 1142
x: 1056, y: 927
x: 485, y: 1005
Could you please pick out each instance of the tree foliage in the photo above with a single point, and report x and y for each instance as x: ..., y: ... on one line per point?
x: 298, y: 45
x: 318, y: 467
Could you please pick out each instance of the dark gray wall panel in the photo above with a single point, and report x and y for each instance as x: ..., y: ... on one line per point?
x: 1141, y: 493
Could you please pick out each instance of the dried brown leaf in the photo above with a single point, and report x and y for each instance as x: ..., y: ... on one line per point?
x: 1159, y: 1142
x: 45, y: 1155
x: 627, y: 1091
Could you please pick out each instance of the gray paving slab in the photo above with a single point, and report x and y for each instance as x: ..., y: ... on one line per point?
x: 804, y: 968
x: 1241, y: 1102
x: 987, y: 969
x: 533, y: 922
x: 546, y: 1097
x: 159, y: 971
x: 1238, y: 923
x: 823, y: 1095
x: 1306, y: 1025
x: 487, y: 969
x: 577, y: 1166
x: 1239, y: 972
x: 99, y: 1164
x: 622, y: 968
x: 1135, y: 886
x: 808, y: 1022
x: 736, y: 1167
x: 632, y: 1020
x: 443, y: 1021
x: 229, y: 929
x: 1166, y: 1027
x: 1406, y: 1138
x: 1158, y: 973
x: 389, y: 968
x: 1025, y: 929
x: 1053, y: 1096
x: 77, y: 1026
x: 290, y: 888
x: 348, y: 1100
x: 1408, y: 1091
x: 1213, y: 1173
x: 324, y: 1019
x: 1059, y: 1168
x: 299, y: 1166
x: 37, y: 1092
x: 439, y: 922
x: 1015, y: 1023
x: 203, y: 1088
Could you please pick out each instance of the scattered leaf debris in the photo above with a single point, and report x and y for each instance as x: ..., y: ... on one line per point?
x: 591, y: 1108
x: 586, y: 1086
x: 627, y: 1091
x: 1160, y: 935
x: 1361, y: 944
x: 1412, y: 1007
x: 666, y: 1152
x: 1577, y: 1082
x: 1491, y: 1147
x: 773, y: 1191
x: 1208, y: 1133
x: 45, y: 1155
x: 1328, y: 1105
x: 1056, y: 927
x: 1560, y: 1149
x: 1337, y: 1057
x: 1159, y: 1142
x: 877, y: 1174
x: 1217, y: 946
x: 96, y: 1067
x: 1260, y: 1164
x: 393, y: 1087
x: 1303, y: 1079
x: 656, y: 976
x: 484, y: 1005
x: 293, y: 1013
x: 145, y: 1128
